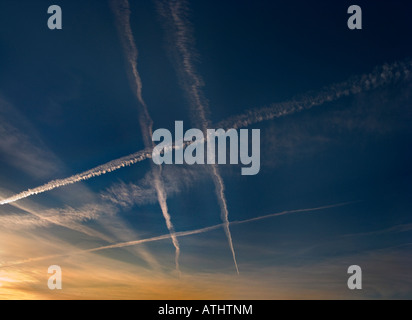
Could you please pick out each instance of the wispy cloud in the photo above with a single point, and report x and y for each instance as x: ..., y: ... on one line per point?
x: 175, y: 179
x: 24, y: 148
x: 21, y: 146
x: 29, y: 216
x: 169, y: 236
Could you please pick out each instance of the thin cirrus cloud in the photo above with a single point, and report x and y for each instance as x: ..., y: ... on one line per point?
x: 29, y: 153
x: 29, y: 216
x: 18, y: 147
x: 175, y: 178
x: 380, y: 77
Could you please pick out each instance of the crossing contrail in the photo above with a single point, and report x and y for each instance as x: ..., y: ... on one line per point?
x: 122, y: 13
x: 379, y: 78
x: 174, y: 13
x: 177, y: 234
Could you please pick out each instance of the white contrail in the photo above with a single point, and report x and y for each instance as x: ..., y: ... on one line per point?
x: 168, y: 236
x: 282, y: 213
x: 122, y: 13
x: 174, y: 13
x: 161, y: 196
x: 380, y: 77
x: 224, y: 212
x: 181, y: 40
x: 95, y: 172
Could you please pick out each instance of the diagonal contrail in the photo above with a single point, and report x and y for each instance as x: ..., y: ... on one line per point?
x: 379, y: 78
x: 122, y: 13
x: 174, y: 13
x: 86, y: 175
x: 177, y: 234
x: 224, y: 212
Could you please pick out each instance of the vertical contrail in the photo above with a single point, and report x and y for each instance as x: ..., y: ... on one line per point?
x: 122, y: 13
x: 174, y: 12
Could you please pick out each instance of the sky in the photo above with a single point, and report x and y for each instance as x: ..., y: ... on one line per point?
x: 78, y: 187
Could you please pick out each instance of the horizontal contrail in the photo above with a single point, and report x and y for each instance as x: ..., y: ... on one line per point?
x: 177, y: 234
x: 380, y: 77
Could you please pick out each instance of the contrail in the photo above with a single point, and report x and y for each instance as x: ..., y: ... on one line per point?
x: 177, y: 234
x: 174, y: 12
x: 122, y: 13
x: 380, y: 77
x: 224, y: 212
x: 86, y: 175
x: 282, y: 213
x: 161, y: 196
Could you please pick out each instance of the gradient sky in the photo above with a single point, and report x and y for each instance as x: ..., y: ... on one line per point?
x: 68, y: 104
